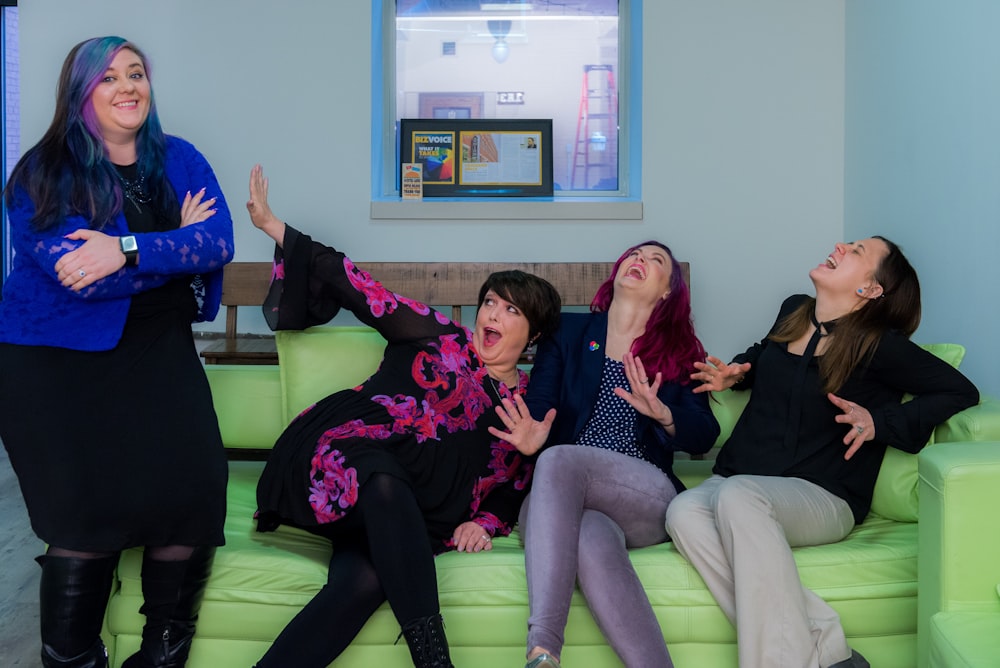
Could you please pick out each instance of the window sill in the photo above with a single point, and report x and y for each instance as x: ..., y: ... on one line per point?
x: 508, y: 209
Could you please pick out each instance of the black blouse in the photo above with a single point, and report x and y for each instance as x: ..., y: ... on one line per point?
x: 766, y: 442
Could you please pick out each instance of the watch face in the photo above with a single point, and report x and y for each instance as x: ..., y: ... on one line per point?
x: 129, y: 245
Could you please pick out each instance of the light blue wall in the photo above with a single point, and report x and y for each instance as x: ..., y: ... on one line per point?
x: 742, y: 136
x: 922, y: 158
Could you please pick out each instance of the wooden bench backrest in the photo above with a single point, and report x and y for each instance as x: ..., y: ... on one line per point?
x: 454, y: 284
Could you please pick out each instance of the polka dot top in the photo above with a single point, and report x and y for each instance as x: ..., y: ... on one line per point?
x: 612, y: 424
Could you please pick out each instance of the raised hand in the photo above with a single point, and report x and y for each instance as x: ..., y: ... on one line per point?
x: 643, y: 395
x: 523, y: 431
x: 260, y: 212
x: 860, y: 420
x: 716, y: 375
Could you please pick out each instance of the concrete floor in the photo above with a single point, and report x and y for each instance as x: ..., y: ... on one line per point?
x: 19, y: 637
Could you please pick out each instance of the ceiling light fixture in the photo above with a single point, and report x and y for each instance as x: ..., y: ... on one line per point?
x: 499, y: 30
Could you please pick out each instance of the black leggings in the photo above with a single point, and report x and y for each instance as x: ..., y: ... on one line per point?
x: 381, y: 552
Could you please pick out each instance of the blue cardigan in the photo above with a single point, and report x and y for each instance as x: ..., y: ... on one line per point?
x: 567, y: 377
x: 37, y: 310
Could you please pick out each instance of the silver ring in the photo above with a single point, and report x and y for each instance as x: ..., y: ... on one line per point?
x: 82, y: 273
x: 850, y: 411
x: 485, y: 537
x: 860, y: 429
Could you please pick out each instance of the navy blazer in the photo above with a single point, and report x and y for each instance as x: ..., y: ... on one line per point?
x: 567, y: 377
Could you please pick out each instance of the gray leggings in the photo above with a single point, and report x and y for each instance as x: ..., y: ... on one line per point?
x: 587, y: 506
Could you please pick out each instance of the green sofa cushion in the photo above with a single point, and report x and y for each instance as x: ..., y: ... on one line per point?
x: 896, y: 487
x: 319, y: 361
x: 870, y: 578
x: 964, y: 639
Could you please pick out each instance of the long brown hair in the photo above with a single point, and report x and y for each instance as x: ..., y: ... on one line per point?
x: 858, y: 333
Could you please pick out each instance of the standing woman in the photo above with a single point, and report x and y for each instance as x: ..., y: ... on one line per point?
x: 801, y: 463
x: 120, y: 233
x: 401, y: 467
x: 611, y: 395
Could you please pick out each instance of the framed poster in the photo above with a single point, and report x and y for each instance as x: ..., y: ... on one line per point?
x: 480, y: 157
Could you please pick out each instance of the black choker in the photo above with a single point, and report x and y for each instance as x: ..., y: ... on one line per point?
x: 824, y: 328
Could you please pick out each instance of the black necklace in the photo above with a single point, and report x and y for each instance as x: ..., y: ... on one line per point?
x: 816, y: 323
x: 135, y: 189
x: 495, y: 386
x: 824, y: 328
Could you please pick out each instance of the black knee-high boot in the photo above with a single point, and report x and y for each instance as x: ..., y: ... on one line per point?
x: 427, y: 642
x: 73, y: 596
x: 172, y: 593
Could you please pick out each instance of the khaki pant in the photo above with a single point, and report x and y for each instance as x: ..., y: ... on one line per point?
x: 738, y: 533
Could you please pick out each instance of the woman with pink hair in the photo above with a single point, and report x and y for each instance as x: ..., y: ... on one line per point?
x: 611, y: 400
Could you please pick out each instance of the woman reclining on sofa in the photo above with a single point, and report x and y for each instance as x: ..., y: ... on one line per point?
x: 401, y: 467
x: 801, y: 463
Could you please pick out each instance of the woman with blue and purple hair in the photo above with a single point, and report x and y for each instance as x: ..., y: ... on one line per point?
x: 120, y: 233
x: 611, y: 399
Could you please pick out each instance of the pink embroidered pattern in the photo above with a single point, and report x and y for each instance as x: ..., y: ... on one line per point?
x: 380, y: 301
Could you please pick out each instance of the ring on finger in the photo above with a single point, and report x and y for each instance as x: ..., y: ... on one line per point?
x: 860, y: 429
x: 82, y: 273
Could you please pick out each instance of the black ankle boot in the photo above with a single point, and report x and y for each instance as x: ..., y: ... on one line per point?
x: 73, y: 596
x: 172, y: 593
x: 428, y: 645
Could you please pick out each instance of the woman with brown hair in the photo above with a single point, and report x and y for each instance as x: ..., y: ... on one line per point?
x: 801, y: 464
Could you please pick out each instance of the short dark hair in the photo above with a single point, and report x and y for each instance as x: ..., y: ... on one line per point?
x: 537, y: 298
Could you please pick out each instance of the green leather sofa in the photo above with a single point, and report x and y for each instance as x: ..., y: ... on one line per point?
x: 259, y: 581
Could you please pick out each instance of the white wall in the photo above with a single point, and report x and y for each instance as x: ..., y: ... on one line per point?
x: 923, y: 118
x: 743, y: 135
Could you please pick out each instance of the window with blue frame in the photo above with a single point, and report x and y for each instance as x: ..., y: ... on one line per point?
x: 10, y: 130
x: 576, y: 62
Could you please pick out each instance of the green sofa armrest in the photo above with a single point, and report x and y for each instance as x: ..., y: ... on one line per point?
x: 957, y: 566
x: 979, y: 423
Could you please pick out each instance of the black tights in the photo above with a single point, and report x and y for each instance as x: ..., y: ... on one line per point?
x: 381, y: 552
x: 160, y: 553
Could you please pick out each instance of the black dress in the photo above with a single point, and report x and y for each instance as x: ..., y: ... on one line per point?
x: 421, y: 417
x: 119, y: 448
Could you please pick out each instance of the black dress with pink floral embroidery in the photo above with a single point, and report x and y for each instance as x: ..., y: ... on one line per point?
x: 421, y: 417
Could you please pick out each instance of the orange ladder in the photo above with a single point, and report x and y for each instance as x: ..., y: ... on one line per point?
x: 596, y: 143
